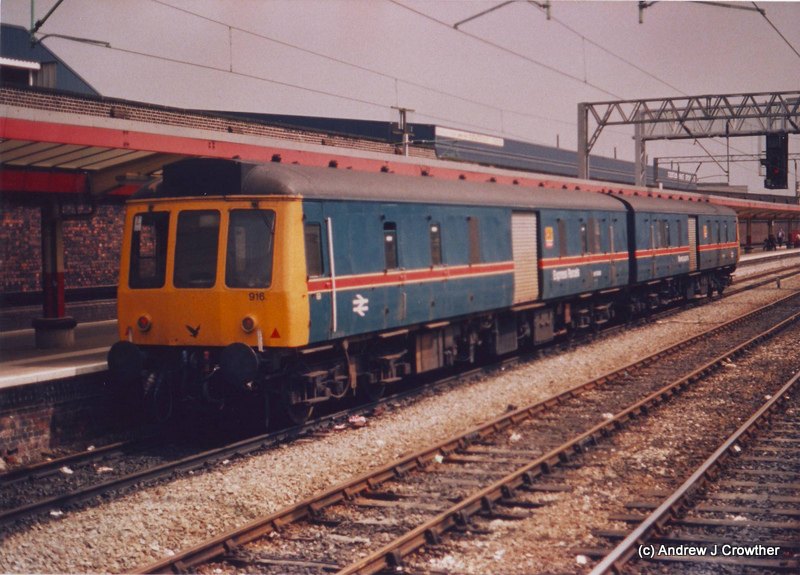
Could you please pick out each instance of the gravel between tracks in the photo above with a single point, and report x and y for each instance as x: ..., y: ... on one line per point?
x: 147, y: 525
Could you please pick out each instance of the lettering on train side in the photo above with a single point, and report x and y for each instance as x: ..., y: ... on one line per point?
x: 566, y: 274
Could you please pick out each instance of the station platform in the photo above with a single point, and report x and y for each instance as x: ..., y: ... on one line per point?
x: 22, y: 364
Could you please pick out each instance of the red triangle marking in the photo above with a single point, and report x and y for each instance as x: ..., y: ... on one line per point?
x: 275, y: 334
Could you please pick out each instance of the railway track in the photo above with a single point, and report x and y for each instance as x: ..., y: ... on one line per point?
x: 63, y: 483
x: 51, y: 487
x: 739, y: 510
x: 374, y: 521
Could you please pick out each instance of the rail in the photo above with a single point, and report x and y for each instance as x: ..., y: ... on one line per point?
x: 622, y: 553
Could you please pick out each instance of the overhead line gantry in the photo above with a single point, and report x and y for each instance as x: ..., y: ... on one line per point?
x: 687, y: 117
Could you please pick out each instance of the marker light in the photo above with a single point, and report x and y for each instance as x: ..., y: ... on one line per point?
x: 248, y: 324
x: 144, y: 323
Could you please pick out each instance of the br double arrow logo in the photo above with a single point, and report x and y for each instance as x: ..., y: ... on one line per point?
x: 360, y: 305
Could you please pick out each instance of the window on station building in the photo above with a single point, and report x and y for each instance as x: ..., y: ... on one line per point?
x: 436, y: 244
x: 196, y: 246
x: 390, y: 245
x: 248, y: 262
x: 148, y: 267
x: 45, y: 77
x: 313, y: 241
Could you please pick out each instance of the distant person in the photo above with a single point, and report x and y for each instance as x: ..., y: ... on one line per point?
x: 780, y: 237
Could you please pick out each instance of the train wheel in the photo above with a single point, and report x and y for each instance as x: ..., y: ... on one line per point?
x: 290, y: 408
x: 159, y: 400
x: 297, y: 413
x: 371, y: 392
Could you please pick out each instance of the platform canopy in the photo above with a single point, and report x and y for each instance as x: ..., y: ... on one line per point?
x: 92, y: 147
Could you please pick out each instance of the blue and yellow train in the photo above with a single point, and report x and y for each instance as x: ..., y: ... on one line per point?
x: 298, y: 285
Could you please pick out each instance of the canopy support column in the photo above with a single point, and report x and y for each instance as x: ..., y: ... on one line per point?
x: 54, y: 329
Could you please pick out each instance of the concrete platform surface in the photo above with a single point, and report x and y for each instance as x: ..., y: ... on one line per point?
x: 21, y: 363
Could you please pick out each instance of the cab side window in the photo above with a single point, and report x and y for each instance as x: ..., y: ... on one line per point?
x: 313, y: 242
x: 148, y: 267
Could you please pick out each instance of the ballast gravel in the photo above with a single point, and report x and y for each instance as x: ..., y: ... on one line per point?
x: 147, y: 525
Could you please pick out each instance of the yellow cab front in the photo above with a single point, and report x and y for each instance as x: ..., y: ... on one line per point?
x: 208, y: 272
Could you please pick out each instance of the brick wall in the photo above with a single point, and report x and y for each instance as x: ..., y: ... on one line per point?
x: 37, y: 420
x: 20, y: 248
x: 91, y: 247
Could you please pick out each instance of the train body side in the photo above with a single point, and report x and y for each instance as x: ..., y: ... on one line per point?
x: 397, y: 265
x: 582, y: 251
x: 671, y: 239
x: 358, y: 254
x: 302, y: 285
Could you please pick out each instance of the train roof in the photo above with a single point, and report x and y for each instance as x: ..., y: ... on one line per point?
x: 218, y: 177
x: 662, y: 205
x: 212, y: 177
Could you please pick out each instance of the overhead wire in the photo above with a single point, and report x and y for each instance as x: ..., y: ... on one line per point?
x: 355, y: 65
x: 374, y: 103
x: 507, y: 50
x: 774, y: 27
x: 546, y: 66
x: 584, y: 40
x: 610, y: 52
x: 413, y: 83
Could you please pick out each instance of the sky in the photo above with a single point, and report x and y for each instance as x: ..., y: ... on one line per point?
x: 510, y: 72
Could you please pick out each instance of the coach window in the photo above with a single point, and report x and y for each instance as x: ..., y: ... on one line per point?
x: 474, y: 240
x: 313, y: 241
x: 148, y: 267
x: 594, y: 236
x: 611, y: 239
x: 436, y: 244
x: 584, y: 239
x: 562, y: 238
x: 390, y: 245
x: 597, y: 241
x: 250, y: 248
x: 196, y: 249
